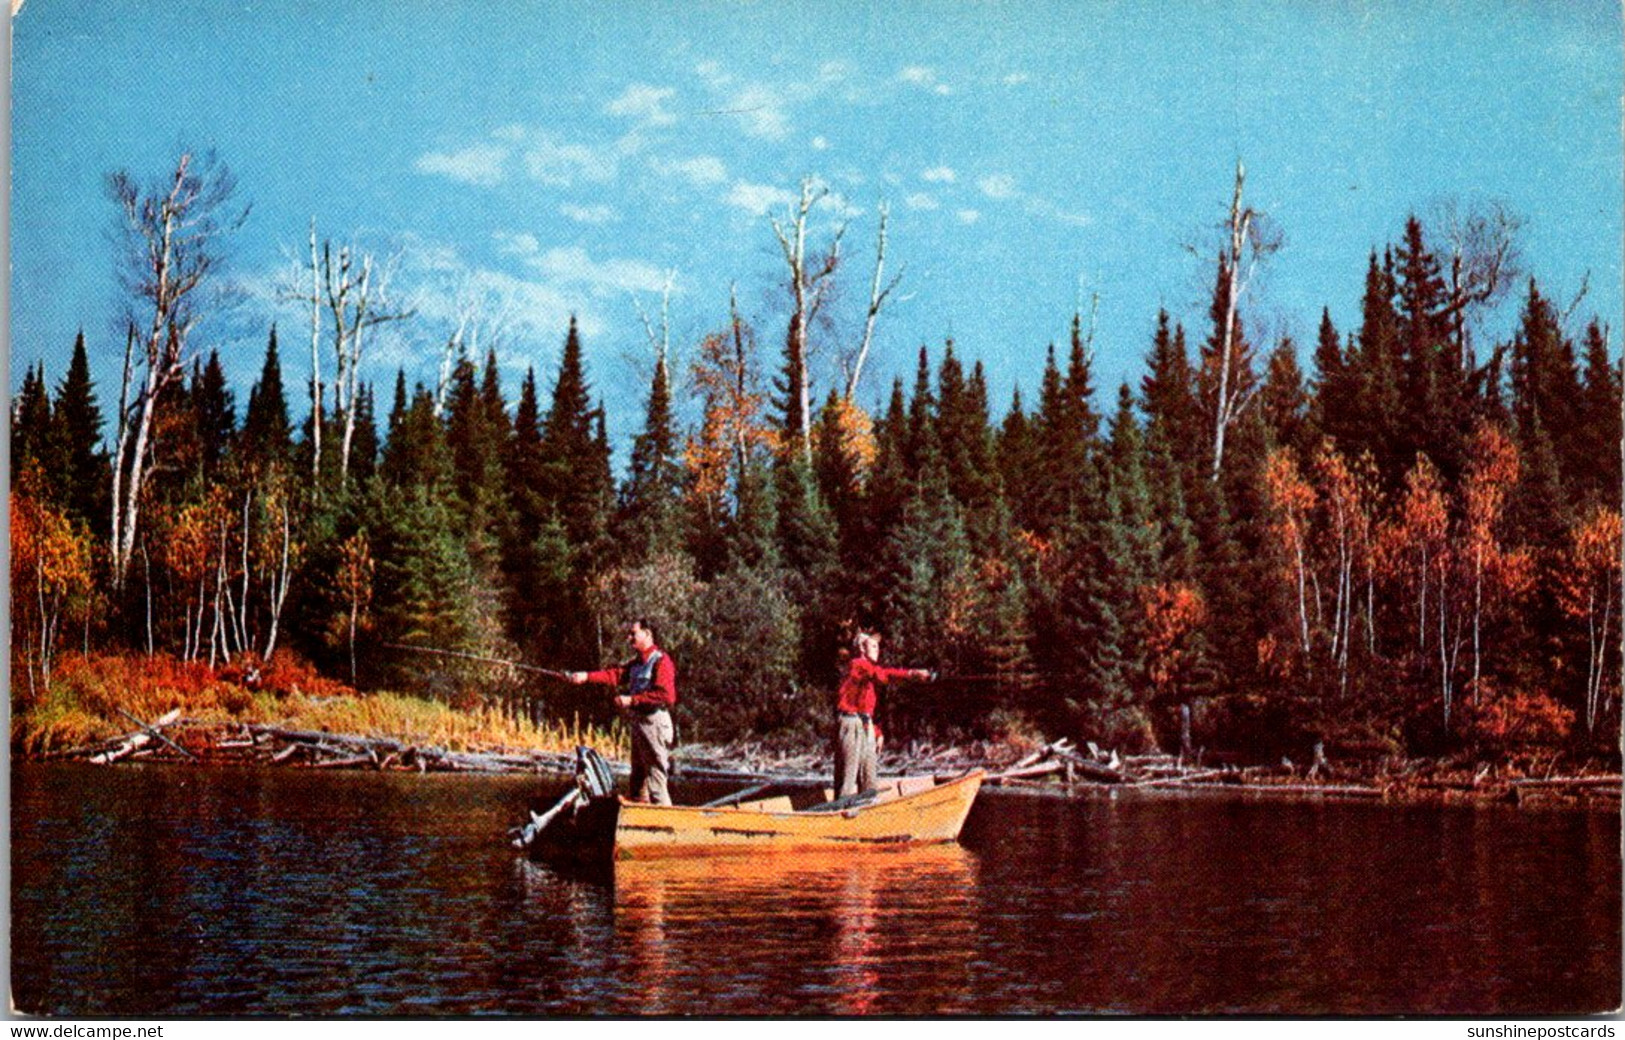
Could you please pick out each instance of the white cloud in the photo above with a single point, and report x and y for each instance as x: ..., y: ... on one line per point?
x: 599, y: 214
x: 968, y: 216
x: 483, y: 164
x: 562, y: 164
x: 920, y: 200
x: 820, y: 143
x: 926, y: 78
x: 760, y: 111
x: 571, y: 265
x: 1015, y: 79
x: 757, y: 199
x: 645, y: 104
x: 713, y: 73
x: 998, y: 186
x: 518, y: 243
x: 939, y: 175
x: 702, y: 170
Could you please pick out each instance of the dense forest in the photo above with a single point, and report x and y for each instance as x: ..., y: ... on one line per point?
x: 1410, y: 544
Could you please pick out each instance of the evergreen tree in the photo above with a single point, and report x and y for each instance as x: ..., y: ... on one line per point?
x: 1437, y: 403
x: 31, y: 425
x: 650, y: 510
x: 962, y: 431
x: 1599, y: 419
x: 1546, y: 394
x: 575, y: 475
x: 266, y: 438
x: 1285, y: 402
x: 364, y: 444
x: 416, y: 455
x: 215, y: 412
x: 476, y: 445
x: 76, y: 426
x: 1374, y: 364
x: 1168, y: 395
x: 1335, y: 408
x: 1013, y: 449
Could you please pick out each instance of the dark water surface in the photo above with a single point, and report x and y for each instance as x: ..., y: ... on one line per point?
x: 169, y: 892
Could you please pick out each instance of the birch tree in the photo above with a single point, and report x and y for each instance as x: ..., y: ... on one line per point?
x: 351, y: 287
x: 811, y: 280
x: 1249, y: 240
x: 172, y: 234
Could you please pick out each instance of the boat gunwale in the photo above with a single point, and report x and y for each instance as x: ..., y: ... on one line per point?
x: 901, y: 801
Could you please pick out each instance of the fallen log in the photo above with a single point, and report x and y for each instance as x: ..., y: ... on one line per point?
x: 1571, y: 781
x: 164, y: 720
x: 1340, y: 790
x: 1029, y: 772
x: 344, y: 763
x: 1174, y: 781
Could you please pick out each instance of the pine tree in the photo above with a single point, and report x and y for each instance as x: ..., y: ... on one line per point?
x: 1599, y: 419
x: 1335, y: 396
x: 1013, y: 449
x: 76, y: 425
x: 31, y: 425
x: 266, y: 437
x: 1434, y: 383
x: 364, y: 444
x: 1546, y: 394
x: 1284, y: 401
x: 1375, y: 370
x: 416, y: 455
x: 575, y: 478
x: 962, y: 431
x: 649, y: 520
x: 215, y: 412
x: 476, y: 445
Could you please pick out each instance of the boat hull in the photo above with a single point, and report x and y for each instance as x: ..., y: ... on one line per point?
x: 923, y: 817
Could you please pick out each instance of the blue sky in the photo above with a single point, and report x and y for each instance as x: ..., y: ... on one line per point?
x: 533, y: 160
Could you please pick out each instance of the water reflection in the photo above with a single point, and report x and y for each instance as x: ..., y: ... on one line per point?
x: 846, y: 932
x: 183, y: 892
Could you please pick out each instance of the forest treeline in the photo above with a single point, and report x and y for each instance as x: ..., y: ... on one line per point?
x: 1411, y: 547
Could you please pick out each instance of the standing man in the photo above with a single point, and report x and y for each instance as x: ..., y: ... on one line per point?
x: 648, y: 691
x: 856, y: 765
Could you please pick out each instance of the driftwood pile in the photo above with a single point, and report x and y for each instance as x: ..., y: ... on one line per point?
x: 1058, y: 768
x: 172, y: 738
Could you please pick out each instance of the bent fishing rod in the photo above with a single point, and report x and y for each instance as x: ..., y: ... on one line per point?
x: 553, y: 672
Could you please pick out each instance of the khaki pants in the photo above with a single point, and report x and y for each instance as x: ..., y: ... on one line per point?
x: 651, y: 756
x: 855, y: 767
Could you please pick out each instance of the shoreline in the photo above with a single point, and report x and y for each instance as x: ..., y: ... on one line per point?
x: 1055, y: 771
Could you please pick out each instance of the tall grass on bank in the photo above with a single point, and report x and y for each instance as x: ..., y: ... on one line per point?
x: 83, y: 702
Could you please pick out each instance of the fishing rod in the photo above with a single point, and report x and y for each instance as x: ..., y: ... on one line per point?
x: 553, y: 672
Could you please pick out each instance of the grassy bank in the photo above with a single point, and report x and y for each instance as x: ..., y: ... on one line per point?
x: 87, y: 697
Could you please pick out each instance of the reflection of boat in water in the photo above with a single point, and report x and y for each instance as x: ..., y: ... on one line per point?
x: 892, y: 929
x: 591, y: 822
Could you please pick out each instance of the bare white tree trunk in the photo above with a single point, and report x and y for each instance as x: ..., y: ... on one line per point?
x: 279, y: 584
x: 1230, y: 401
x: 877, y: 298
x: 808, y: 289
x: 315, y: 365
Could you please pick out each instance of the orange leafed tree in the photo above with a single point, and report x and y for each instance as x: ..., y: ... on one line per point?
x: 1588, y: 591
x: 1496, y: 574
x: 50, y: 580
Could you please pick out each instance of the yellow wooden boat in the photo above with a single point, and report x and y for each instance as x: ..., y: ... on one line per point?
x: 912, y: 811
x: 592, y: 824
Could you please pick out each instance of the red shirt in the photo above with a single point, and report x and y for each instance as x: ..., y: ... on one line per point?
x: 858, y: 688
x: 662, y: 691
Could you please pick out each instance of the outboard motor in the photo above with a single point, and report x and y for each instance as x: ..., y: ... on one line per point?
x: 593, y: 775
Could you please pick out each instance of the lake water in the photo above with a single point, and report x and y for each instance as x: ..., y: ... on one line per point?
x: 171, y: 892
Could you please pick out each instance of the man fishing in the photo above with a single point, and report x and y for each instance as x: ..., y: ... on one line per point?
x: 856, y: 754
x: 648, y: 685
